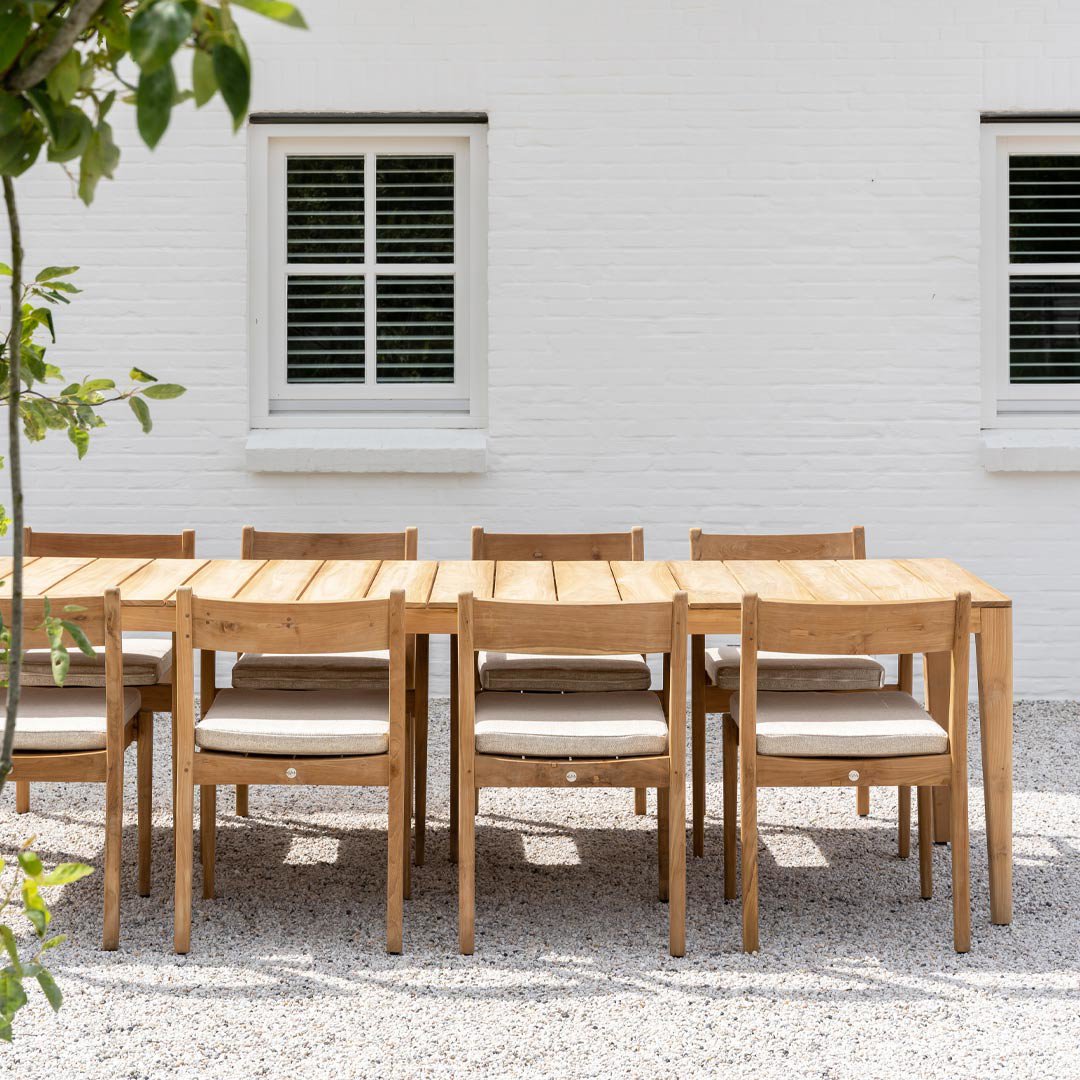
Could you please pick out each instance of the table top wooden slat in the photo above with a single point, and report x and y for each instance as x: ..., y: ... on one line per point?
x: 708, y: 584
x: 222, y: 579
x: 532, y: 582
x: 644, y: 582
x: 946, y: 575
x: 888, y: 580
x: 456, y: 577
x: 280, y: 580
x: 96, y: 576
x: 340, y: 579
x: 829, y: 580
x: 415, y: 577
x: 585, y: 583
x: 770, y: 580
x: 7, y: 562
x: 159, y: 579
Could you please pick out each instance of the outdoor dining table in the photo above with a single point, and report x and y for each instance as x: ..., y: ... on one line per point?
x: 715, y: 589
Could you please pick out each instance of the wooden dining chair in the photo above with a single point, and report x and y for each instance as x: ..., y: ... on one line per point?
x: 352, y: 736
x: 361, y: 670
x: 553, y: 674
x: 79, y: 735
x: 147, y: 660
x: 633, y: 738
x: 715, y: 671
x: 816, y: 739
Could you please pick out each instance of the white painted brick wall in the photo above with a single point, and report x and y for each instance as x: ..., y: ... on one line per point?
x: 733, y: 283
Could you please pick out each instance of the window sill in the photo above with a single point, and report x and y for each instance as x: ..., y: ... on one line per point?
x: 1031, y: 450
x: 370, y: 450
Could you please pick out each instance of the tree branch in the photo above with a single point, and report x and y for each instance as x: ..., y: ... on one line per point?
x: 82, y: 11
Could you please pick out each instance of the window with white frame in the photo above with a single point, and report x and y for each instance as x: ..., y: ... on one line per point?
x: 1031, y: 273
x: 367, y: 247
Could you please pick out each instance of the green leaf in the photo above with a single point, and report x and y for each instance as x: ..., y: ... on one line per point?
x: 63, y: 80
x: 234, y: 79
x: 34, y: 907
x: 14, y: 27
x: 5, y: 269
x: 79, y: 637
x: 165, y: 391
x: 203, y: 81
x: 20, y: 147
x: 60, y: 660
x: 142, y: 412
x: 115, y: 29
x: 30, y: 863
x: 59, y: 939
x: 80, y: 439
x: 275, y: 9
x: 52, y: 991
x: 99, y: 159
x: 155, y: 101
x: 52, y: 272
x: 138, y: 375
x: 64, y: 874
x: 157, y: 31
x: 8, y: 939
x: 98, y: 384
x: 71, y: 135
x: 11, y: 110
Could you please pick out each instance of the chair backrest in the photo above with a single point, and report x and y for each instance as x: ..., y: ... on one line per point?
x: 259, y: 544
x: 554, y: 547
x: 841, y: 545
x: 904, y: 627
x: 111, y: 545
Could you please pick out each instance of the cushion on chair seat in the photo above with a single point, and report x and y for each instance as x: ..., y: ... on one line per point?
x: 602, y: 724
x: 885, y: 723
x: 795, y: 671
x: 291, y: 722
x: 330, y: 671
x: 147, y: 661
x: 61, y: 719
x: 541, y: 672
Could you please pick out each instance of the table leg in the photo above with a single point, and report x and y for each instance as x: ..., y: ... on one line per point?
x: 936, y: 679
x: 993, y: 650
x: 697, y: 738
x: 420, y: 698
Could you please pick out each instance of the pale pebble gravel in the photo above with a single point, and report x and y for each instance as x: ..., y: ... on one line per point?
x: 287, y: 976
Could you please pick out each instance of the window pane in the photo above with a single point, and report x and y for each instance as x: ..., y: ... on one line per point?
x: 325, y: 329
x: 1044, y: 208
x: 1044, y: 329
x: 415, y: 329
x: 415, y: 209
x: 325, y: 209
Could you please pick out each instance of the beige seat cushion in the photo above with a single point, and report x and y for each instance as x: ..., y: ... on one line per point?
x: 62, y: 719
x: 537, y: 672
x: 604, y: 724
x: 883, y: 724
x: 795, y: 671
x: 291, y: 722
x: 147, y: 661
x: 333, y: 671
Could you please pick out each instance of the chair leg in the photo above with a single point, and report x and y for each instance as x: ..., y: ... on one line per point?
x: 114, y: 826
x: 862, y: 801
x: 925, y: 799
x: 183, y: 826
x: 208, y: 836
x: 453, y: 750
x: 662, y: 842
x: 466, y: 853
x: 697, y: 740
x: 903, y: 834
x: 961, y: 873
x: 241, y: 800
x: 22, y: 796
x: 731, y: 796
x: 748, y: 822
x: 406, y: 834
x: 641, y: 805
x: 420, y: 698
x: 676, y: 842
x: 395, y: 859
x: 144, y: 749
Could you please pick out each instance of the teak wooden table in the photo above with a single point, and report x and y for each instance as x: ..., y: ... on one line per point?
x: 148, y: 586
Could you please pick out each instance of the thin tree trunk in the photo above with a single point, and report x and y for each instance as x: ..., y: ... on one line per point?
x: 14, y: 465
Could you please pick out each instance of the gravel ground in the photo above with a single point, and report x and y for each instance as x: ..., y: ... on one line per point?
x: 287, y: 974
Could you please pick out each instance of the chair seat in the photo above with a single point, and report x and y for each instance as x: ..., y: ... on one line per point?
x: 147, y: 661
x: 332, y: 671
x: 541, y: 672
x: 62, y: 719
x: 581, y: 725
x: 885, y: 723
x: 795, y: 671
x: 296, y: 723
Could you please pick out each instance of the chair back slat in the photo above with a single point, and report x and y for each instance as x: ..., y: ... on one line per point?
x: 559, y: 547
x: 918, y: 626
x: 840, y: 545
x: 296, y: 627
x: 110, y: 545
x: 90, y: 618
x: 580, y: 629
x: 259, y: 544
